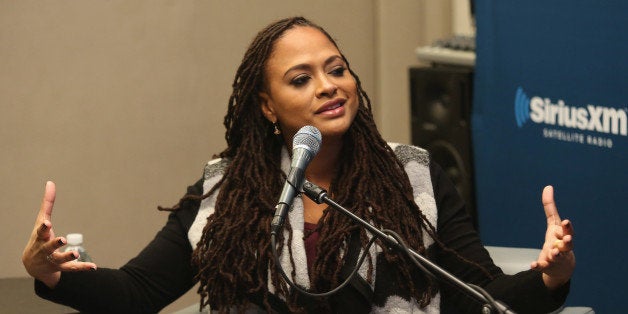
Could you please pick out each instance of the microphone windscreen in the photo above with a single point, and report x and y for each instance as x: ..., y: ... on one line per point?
x: 308, y: 137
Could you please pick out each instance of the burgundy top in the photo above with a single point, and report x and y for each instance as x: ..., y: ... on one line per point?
x: 311, y: 238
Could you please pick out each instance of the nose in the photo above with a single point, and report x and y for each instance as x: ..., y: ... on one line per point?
x: 326, y: 87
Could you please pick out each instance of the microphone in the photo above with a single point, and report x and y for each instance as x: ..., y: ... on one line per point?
x: 305, y: 145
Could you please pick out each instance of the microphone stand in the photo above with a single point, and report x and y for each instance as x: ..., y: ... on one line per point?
x: 319, y: 196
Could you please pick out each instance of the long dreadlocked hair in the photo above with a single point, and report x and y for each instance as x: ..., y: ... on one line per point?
x: 234, y: 254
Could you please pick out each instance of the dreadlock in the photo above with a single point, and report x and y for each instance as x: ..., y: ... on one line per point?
x: 234, y: 255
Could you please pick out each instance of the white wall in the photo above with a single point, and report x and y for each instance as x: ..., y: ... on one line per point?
x: 401, y: 27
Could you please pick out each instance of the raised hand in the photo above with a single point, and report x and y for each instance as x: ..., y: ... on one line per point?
x: 557, y: 260
x: 41, y: 256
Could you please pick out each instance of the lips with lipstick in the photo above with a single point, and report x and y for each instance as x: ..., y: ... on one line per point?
x: 332, y: 107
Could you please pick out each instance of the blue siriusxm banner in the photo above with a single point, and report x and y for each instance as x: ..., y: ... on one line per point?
x: 571, y: 123
x: 551, y: 107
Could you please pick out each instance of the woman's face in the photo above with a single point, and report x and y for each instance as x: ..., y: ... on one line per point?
x: 308, y: 83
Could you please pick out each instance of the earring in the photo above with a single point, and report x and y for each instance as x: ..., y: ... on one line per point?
x: 276, y: 130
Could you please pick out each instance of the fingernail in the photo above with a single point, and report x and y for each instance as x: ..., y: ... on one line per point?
x: 75, y: 255
x: 60, y: 241
x: 43, y: 227
x: 93, y: 268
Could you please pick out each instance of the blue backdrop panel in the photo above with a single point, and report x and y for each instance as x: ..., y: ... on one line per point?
x: 550, y: 107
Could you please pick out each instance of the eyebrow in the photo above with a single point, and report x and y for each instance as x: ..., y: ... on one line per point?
x: 305, y: 66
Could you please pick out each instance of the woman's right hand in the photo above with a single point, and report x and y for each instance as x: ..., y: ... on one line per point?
x: 41, y: 256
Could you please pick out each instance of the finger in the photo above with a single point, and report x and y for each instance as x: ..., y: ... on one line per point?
x: 541, y: 262
x: 559, y: 244
x: 545, y: 261
x: 534, y: 265
x: 564, y: 236
x: 551, y: 212
x: 554, y: 254
x: 43, y: 232
x: 567, y: 244
x: 539, y: 265
x: 72, y: 264
x: 567, y: 227
x: 77, y: 266
x: 69, y: 256
x: 45, y: 211
x: 66, y: 261
x: 62, y: 257
x: 51, y: 246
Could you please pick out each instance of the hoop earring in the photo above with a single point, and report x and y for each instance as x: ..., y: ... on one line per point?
x: 276, y: 130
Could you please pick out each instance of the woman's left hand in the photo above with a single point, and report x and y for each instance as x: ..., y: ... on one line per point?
x: 557, y: 260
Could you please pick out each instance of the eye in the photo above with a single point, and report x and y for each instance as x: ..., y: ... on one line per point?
x: 300, y: 80
x: 338, y: 71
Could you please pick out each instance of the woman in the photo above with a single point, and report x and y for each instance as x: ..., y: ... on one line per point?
x: 292, y: 75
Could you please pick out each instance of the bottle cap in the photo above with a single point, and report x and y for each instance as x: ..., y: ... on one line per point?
x: 74, y: 239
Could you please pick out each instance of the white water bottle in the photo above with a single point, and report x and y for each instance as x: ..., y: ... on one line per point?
x: 75, y: 243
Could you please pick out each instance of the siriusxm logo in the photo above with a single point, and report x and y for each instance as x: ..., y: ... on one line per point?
x: 590, y: 118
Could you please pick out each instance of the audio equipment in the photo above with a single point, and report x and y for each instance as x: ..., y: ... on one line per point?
x: 441, y: 100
